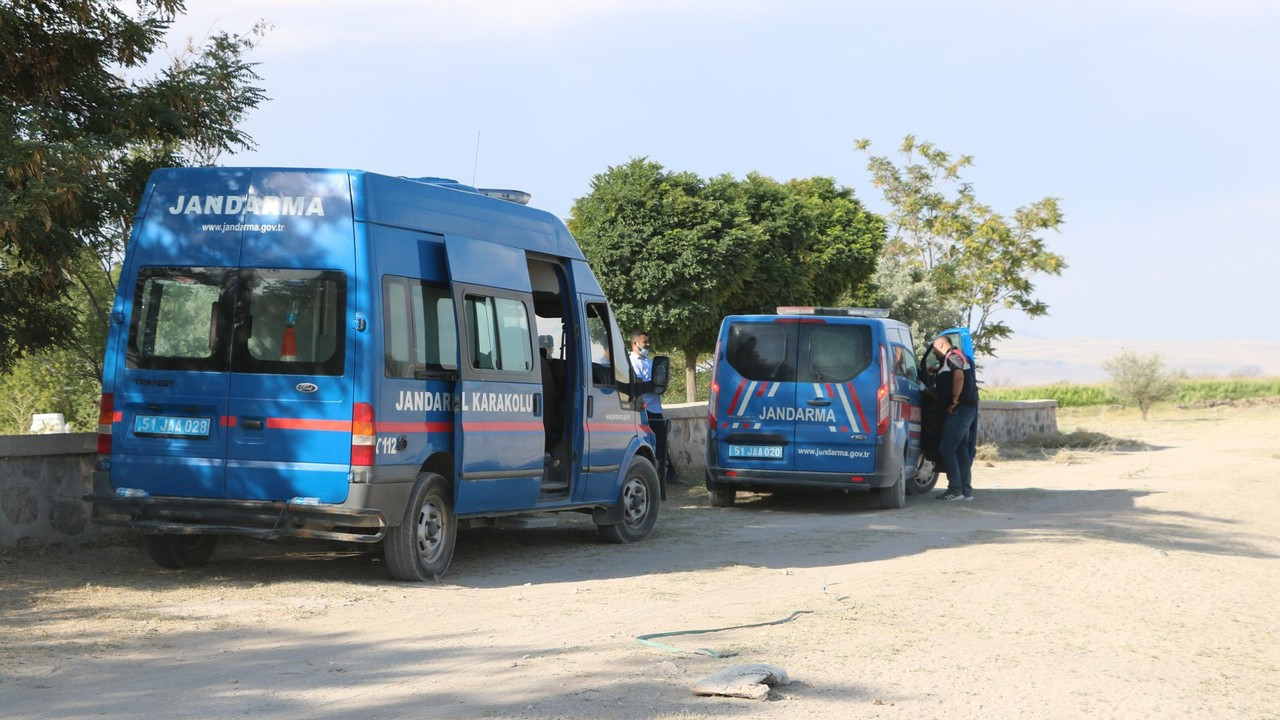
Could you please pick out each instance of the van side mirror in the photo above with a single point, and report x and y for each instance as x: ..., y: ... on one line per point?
x: 661, y: 373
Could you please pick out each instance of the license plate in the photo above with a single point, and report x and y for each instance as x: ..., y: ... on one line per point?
x: 166, y: 426
x: 768, y: 452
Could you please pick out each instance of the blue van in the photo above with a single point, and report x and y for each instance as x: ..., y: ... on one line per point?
x: 342, y: 355
x: 816, y: 398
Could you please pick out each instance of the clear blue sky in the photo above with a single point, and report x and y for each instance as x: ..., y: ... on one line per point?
x: 1154, y: 121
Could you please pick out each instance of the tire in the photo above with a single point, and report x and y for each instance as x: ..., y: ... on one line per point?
x: 180, y: 551
x: 639, y: 501
x: 420, y: 548
x: 720, y: 495
x: 924, y: 478
x: 895, y: 496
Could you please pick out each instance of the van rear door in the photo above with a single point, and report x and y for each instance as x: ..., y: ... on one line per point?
x: 836, y: 384
x: 170, y: 363
x: 292, y: 354
x: 499, y: 437
x: 756, y: 401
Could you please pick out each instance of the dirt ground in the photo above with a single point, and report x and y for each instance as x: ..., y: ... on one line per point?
x: 1115, y: 583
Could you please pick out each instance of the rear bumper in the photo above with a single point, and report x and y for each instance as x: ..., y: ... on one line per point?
x: 255, y: 518
x: 790, y: 479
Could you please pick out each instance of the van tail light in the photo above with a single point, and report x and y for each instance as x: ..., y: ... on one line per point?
x: 715, y: 388
x: 106, y: 416
x: 362, y: 435
x: 882, y: 395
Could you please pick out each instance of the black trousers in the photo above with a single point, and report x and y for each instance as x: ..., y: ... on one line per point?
x: 659, y: 425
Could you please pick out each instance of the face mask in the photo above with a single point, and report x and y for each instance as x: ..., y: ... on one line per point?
x: 644, y: 352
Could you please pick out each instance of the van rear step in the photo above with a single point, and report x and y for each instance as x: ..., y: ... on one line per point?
x: 260, y: 519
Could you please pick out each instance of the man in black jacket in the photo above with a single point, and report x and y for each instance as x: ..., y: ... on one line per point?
x: 956, y: 390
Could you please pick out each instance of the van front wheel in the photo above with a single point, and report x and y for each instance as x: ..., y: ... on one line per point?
x: 924, y: 478
x: 639, y: 500
x: 180, y: 551
x: 421, y: 547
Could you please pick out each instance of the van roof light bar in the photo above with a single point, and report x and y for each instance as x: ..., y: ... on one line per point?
x: 518, y: 197
x: 843, y: 311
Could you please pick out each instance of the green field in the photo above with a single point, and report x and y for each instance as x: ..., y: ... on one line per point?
x: 1190, y: 392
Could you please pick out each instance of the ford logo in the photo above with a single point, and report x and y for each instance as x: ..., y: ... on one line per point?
x: 306, y: 387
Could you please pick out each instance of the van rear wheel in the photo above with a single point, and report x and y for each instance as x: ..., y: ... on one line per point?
x: 720, y: 495
x: 421, y: 547
x: 180, y: 551
x: 895, y: 496
x: 639, y: 500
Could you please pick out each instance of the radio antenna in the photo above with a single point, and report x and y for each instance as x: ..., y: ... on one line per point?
x: 476, y: 161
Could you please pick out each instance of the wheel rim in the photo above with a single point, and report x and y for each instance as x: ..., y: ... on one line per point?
x: 635, y: 500
x: 430, y: 531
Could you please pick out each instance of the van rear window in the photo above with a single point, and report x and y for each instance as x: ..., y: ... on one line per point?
x: 284, y: 321
x: 290, y: 322
x: 762, y: 352
x: 179, y: 320
x: 792, y: 352
x: 836, y: 353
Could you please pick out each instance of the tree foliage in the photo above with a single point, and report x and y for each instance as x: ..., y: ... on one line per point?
x: 952, y: 260
x: 1140, y: 380
x: 675, y: 253
x: 80, y: 130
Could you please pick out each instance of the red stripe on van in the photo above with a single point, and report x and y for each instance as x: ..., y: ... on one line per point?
x: 403, y: 427
x: 502, y: 426
x: 305, y: 424
x: 227, y: 421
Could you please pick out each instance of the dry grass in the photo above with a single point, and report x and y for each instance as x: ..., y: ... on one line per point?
x: 1070, y: 448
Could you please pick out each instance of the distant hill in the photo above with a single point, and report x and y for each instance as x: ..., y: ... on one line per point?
x: 1039, y: 361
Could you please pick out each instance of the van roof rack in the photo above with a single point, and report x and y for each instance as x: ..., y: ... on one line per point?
x: 844, y: 311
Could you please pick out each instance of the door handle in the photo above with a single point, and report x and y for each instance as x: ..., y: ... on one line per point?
x: 251, y: 423
x: 537, y: 404
x: 591, y: 406
x: 819, y: 402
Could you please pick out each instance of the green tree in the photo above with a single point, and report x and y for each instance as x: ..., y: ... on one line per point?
x: 946, y: 245
x: 668, y: 250
x: 813, y: 244
x: 80, y: 130
x: 1140, y: 380
x: 676, y: 253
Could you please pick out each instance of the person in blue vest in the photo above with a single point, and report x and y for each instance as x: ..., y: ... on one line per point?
x: 956, y: 390
x: 643, y: 366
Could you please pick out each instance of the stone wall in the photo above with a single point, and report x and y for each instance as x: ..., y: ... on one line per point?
x: 998, y: 422
x: 42, y: 478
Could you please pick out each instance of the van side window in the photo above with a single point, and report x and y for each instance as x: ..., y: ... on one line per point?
x: 837, y: 353
x: 762, y: 351
x: 499, y: 332
x: 904, y: 361
x: 419, y: 335
x: 601, y: 347
x: 179, y: 319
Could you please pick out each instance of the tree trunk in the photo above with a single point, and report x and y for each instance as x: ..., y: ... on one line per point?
x: 690, y: 376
